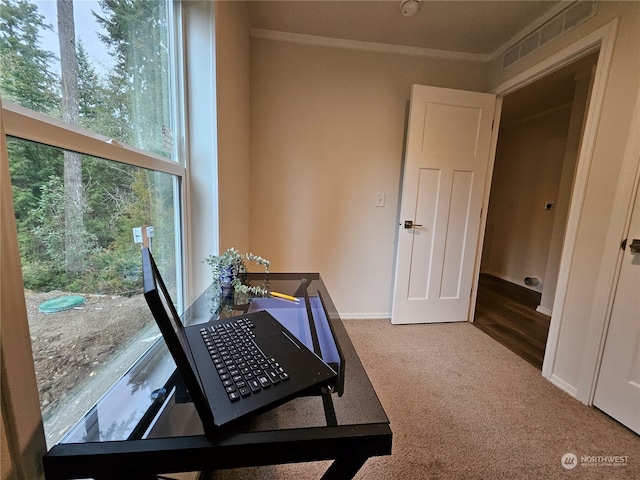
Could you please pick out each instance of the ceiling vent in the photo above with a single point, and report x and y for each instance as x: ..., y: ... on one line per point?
x: 569, y: 18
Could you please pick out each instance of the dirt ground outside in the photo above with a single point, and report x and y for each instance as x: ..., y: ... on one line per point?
x: 74, y: 347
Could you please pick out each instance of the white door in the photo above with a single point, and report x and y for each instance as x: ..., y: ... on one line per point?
x: 618, y: 386
x: 448, y: 146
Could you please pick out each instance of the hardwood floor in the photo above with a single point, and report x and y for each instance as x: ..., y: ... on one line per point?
x: 507, y: 313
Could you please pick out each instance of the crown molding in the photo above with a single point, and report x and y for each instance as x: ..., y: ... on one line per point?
x: 366, y: 46
x: 375, y: 47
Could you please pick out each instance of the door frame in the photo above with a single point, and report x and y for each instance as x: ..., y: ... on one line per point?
x: 602, y: 39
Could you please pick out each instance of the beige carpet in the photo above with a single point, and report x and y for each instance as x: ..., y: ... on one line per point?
x: 465, y: 407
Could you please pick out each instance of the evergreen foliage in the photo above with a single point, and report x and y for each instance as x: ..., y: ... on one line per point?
x: 26, y: 76
x: 116, y: 196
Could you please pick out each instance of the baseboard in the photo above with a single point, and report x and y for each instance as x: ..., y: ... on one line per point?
x: 544, y: 310
x: 562, y: 385
x: 365, y: 316
x: 515, y: 281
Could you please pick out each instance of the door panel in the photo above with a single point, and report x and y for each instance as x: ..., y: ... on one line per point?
x: 423, y: 241
x: 618, y: 385
x: 456, y: 234
x: 448, y: 146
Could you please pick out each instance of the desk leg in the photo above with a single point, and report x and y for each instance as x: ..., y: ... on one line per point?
x: 345, y: 467
x: 329, y: 411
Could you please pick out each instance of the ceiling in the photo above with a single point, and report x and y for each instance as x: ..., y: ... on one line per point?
x: 479, y: 28
x: 471, y: 27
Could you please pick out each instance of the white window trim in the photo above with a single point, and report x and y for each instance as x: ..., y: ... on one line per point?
x: 201, y: 192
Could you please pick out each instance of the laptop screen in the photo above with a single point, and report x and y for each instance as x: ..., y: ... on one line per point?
x: 168, y: 320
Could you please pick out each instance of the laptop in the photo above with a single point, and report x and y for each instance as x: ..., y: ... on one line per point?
x: 234, y: 367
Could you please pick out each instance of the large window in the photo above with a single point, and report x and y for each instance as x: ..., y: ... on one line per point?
x: 118, y: 81
x: 90, y: 105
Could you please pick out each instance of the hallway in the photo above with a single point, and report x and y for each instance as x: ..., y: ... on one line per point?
x: 507, y: 313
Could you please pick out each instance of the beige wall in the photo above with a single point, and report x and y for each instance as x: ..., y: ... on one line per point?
x: 326, y: 133
x: 233, y: 105
x: 591, y: 262
x: 526, y: 176
x: 581, y: 98
x: 327, y: 130
x: 605, y: 172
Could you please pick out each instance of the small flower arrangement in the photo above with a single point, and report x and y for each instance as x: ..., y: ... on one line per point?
x: 229, y: 270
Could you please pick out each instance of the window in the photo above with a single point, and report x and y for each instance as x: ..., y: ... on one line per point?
x: 119, y: 83
x: 92, y: 156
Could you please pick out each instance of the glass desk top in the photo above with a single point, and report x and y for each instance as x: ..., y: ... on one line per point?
x: 358, y: 403
x: 169, y: 422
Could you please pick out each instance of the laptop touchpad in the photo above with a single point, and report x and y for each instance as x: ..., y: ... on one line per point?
x: 280, y: 343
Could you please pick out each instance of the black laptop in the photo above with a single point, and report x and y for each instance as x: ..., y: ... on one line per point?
x: 237, y: 366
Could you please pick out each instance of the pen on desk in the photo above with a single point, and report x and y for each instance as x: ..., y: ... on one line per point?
x: 283, y: 296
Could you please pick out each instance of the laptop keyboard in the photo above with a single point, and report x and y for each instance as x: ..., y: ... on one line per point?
x: 243, y: 368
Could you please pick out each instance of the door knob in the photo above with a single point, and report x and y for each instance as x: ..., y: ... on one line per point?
x: 410, y: 224
x: 635, y: 246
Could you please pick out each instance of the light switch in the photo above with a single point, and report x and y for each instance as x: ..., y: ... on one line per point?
x: 380, y: 199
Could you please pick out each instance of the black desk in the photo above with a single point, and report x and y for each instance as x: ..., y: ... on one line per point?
x: 347, y: 429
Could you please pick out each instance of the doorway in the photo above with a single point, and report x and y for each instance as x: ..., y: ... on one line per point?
x: 538, y: 143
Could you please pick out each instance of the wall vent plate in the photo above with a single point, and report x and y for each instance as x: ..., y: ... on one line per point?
x: 567, y: 19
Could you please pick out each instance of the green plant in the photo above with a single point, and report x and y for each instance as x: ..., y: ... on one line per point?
x: 43, y: 276
x: 229, y: 269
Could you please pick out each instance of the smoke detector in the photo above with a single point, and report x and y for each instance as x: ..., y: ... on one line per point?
x: 409, y: 7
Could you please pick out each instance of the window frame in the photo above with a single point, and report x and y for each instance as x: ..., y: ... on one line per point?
x: 23, y: 437
x: 25, y: 124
